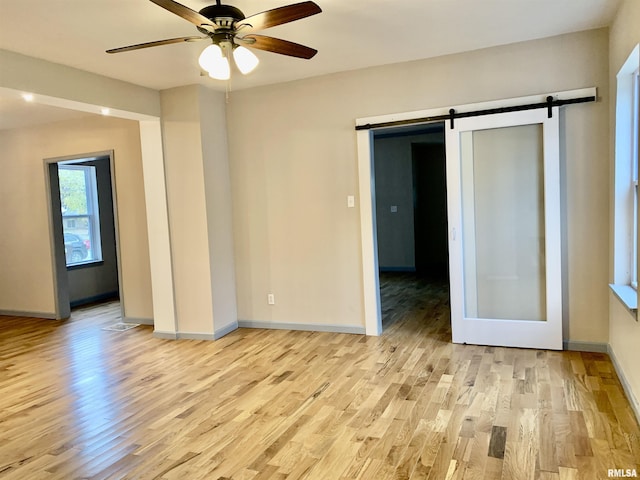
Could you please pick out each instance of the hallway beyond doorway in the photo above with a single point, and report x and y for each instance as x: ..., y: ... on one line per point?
x: 404, y: 295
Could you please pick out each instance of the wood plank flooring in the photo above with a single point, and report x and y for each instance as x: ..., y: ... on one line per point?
x: 77, y: 401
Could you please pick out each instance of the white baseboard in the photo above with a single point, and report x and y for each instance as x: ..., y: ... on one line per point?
x: 20, y: 313
x: 196, y: 336
x: 165, y: 335
x: 635, y: 405
x: 139, y: 321
x: 309, y: 327
x: 578, y: 346
x: 225, y: 330
x: 183, y: 336
x: 598, y: 347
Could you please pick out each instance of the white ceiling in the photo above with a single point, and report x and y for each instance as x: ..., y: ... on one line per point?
x: 349, y: 34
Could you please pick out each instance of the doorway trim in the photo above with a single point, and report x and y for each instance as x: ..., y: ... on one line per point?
x: 366, y: 184
x: 59, y: 264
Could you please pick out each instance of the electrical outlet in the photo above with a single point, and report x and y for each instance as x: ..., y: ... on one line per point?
x: 271, y: 299
x: 351, y: 201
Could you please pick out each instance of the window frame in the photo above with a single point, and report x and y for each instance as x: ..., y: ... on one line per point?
x: 635, y: 127
x: 625, y: 191
x: 92, y: 214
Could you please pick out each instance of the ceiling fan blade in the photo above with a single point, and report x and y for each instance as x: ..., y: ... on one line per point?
x: 276, y: 45
x: 185, y: 12
x: 278, y: 16
x: 155, y: 44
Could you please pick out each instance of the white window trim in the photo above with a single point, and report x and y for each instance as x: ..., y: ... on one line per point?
x: 92, y: 214
x: 625, y: 184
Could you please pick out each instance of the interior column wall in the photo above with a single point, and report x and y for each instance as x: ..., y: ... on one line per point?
x: 198, y: 195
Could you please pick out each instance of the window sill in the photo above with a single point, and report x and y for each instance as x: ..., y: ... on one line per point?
x: 92, y: 263
x: 627, y: 295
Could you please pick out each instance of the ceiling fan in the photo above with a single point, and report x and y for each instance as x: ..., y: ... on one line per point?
x: 230, y: 32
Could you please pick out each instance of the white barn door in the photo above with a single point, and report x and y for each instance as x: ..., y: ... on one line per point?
x: 503, y: 188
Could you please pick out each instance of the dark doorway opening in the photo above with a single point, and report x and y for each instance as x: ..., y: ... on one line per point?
x: 430, y: 210
x: 83, y: 230
x: 411, y: 219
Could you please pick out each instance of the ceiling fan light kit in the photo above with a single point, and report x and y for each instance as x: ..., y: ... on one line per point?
x: 245, y: 59
x: 213, y: 61
x: 231, y: 32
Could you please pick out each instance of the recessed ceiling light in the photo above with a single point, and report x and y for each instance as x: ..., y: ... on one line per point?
x: 105, y: 111
x: 28, y: 97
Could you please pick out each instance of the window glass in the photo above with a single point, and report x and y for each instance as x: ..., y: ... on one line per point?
x: 80, y: 217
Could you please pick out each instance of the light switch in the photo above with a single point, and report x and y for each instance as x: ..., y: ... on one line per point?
x: 351, y: 201
x: 394, y: 209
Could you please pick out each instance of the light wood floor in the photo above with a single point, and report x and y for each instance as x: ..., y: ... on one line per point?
x: 77, y: 401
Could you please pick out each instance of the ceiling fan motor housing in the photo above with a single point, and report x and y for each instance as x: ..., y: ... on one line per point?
x: 222, y: 11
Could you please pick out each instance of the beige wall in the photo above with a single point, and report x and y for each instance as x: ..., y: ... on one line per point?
x: 26, y: 282
x: 624, y: 332
x: 293, y: 162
